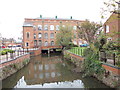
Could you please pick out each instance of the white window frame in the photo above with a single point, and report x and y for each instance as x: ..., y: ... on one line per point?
x: 57, y: 27
x: 52, y: 35
x: 107, y: 29
x: 39, y: 27
x: 74, y: 27
x: 45, y: 27
x: 51, y: 27
x: 39, y: 35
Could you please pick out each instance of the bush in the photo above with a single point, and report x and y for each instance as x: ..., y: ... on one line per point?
x: 3, y: 52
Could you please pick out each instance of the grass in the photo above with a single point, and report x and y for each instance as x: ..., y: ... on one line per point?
x: 77, y: 50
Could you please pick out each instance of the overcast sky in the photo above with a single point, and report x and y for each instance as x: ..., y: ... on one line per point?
x: 13, y: 12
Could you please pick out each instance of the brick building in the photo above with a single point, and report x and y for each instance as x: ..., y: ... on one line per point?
x: 42, y: 31
x: 112, y: 26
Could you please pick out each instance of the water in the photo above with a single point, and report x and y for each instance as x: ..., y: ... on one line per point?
x: 50, y: 72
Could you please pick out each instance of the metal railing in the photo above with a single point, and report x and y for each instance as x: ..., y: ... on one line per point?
x: 11, y: 56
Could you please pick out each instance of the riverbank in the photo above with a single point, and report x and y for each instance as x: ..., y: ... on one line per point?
x: 12, y: 66
x: 110, y: 77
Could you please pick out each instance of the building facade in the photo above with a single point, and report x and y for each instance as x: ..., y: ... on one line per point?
x: 112, y: 27
x: 42, y: 31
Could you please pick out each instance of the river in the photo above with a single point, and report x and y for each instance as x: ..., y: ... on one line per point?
x: 52, y: 71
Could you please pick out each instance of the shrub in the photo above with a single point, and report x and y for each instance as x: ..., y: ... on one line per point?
x: 3, y: 52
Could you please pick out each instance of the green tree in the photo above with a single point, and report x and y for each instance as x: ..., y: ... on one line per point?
x: 64, y: 37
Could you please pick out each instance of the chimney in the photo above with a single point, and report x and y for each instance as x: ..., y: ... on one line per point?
x: 55, y: 17
x: 71, y: 17
x: 40, y: 16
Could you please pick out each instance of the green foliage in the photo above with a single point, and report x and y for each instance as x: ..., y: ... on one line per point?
x: 91, y: 64
x: 64, y: 37
x: 67, y: 56
x: 5, y: 51
x: 25, y: 61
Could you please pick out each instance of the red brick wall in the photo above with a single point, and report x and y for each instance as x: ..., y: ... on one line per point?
x: 48, y: 22
x: 114, y: 70
x: 17, y: 60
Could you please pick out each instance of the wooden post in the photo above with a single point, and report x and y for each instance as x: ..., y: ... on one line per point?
x: 114, y: 58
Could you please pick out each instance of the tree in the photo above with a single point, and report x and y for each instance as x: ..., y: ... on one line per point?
x: 88, y: 30
x: 65, y: 36
x: 110, y: 7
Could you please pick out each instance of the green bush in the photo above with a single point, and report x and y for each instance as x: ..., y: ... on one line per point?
x: 5, y: 51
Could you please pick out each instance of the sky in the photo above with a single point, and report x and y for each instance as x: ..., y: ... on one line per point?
x: 13, y: 12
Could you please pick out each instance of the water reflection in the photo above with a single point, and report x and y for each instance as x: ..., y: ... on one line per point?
x: 53, y: 71
x: 67, y: 84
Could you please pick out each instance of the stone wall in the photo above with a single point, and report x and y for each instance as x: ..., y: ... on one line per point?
x: 111, y: 76
x: 13, y: 66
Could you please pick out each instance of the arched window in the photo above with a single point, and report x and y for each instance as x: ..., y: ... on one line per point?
x: 46, y: 43
x: 45, y: 27
x: 34, y: 36
x: 39, y: 27
x: 35, y: 43
x: 52, y: 43
x: 39, y: 35
x: 46, y: 35
x: 40, y: 43
x: 57, y: 27
x: 51, y: 27
x: 28, y: 34
x: 52, y: 35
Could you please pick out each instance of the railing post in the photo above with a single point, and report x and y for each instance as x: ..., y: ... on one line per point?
x: 27, y: 50
x: 23, y: 50
x: 114, y: 58
x: 7, y: 56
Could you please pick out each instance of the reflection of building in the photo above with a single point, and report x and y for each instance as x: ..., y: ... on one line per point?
x: 47, y: 69
x: 112, y: 26
x: 42, y: 31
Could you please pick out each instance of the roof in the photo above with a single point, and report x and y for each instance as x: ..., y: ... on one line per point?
x: 50, y: 18
x: 28, y: 24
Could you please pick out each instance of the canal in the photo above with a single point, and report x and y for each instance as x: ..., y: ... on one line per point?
x: 52, y: 71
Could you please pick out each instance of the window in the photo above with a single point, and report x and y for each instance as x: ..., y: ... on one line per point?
x: 51, y: 27
x: 52, y: 35
x: 57, y: 27
x: 46, y: 27
x: 35, y: 42
x: 27, y: 44
x: 46, y: 43
x: 74, y: 28
x: 40, y: 43
x: 52, y: 43
x: 39, y: 35
x: 39, y: 27
x: 34, y: 36
x: 28, y: 34
x: 46, y: 35
x: 107, y: 28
